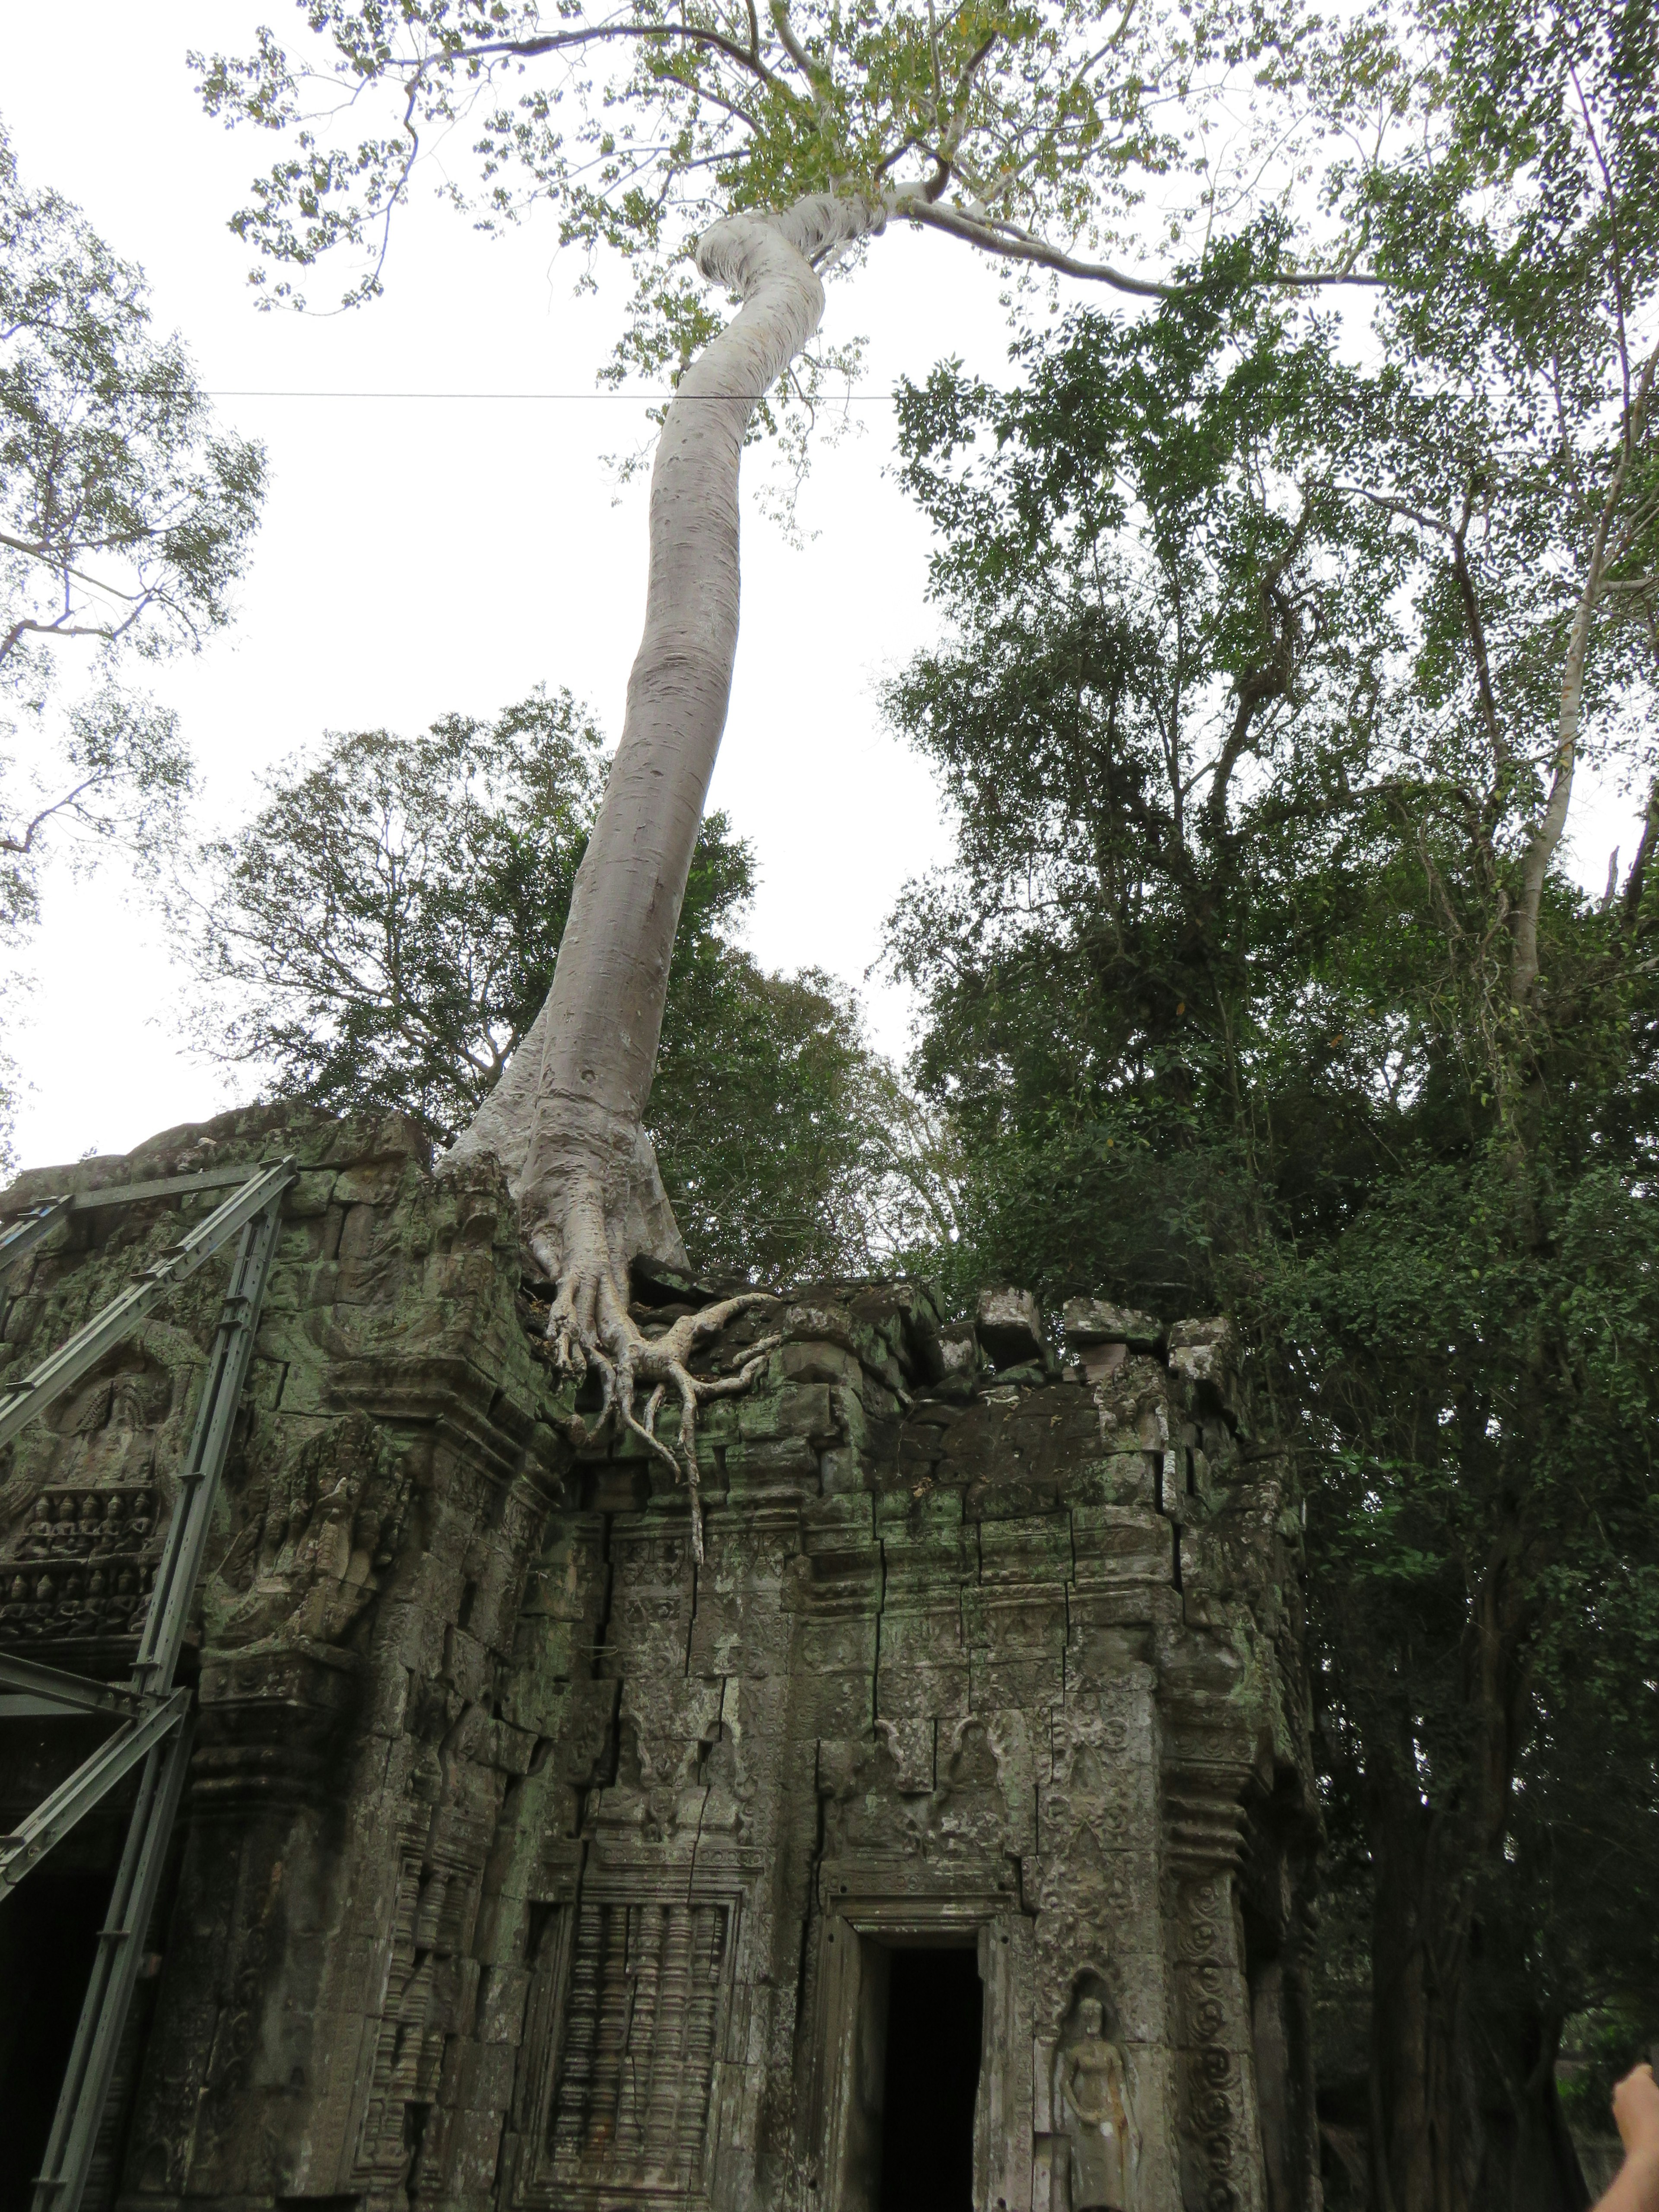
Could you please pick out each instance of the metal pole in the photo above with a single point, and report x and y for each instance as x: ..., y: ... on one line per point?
x: 50, y: 1691
x: 159, y: 1728
x: 168, y: 1614
x: 87, y: 1345
x: 91, y: 1782
x: 27, y: 1231
x: 73, y: 2136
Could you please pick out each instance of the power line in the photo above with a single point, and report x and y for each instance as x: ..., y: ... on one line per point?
x: 855, y: 399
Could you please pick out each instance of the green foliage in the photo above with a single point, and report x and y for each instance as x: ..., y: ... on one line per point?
x: 641, y: 126
x: 1034, y: 132
x: 1144, y: 722
x: 383, y: 932
x: 757, y: 1110
x: 390, y: 919
x: 1254, y: 982
x: 124, y: 520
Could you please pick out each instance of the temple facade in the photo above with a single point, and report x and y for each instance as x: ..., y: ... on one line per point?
x: 948, y: 1828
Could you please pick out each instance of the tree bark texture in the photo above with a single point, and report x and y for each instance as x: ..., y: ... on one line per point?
x: 1465, y: 2114
x: 567, y: 1119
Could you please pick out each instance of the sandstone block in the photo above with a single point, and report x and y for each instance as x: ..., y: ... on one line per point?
x: 1097, y: 1322
x: 1009, y: 1326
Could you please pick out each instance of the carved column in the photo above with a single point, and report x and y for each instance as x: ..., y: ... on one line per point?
x: 1217, y: 2118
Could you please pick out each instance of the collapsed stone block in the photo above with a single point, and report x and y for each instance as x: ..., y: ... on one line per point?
x: 1009, y: 1326
x: 1095, y: 1321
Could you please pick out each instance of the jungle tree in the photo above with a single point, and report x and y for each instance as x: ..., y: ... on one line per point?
x: 766, y: 145
x: 1260, y: 978
x: 126, y: 519
x: 380, y: 936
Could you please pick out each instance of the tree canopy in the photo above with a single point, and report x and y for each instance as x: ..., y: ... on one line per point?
x: 384, y: 930
x: 124, y: 520
x: 1027, y: 131
x: 1257, y: 981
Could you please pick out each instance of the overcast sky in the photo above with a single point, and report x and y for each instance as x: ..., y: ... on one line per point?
x: 420, y: 555
x: 423, y: 555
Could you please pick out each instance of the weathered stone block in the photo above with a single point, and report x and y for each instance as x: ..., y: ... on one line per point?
x: 1027, y: 1549
x: 923, y: 1690
x: 817, y: 1361
x: 1028, y: 1684
x: 1096, y: 1321
x: 751, y: 1467
x: 1009, y: 1326
x: 1117, y: 1543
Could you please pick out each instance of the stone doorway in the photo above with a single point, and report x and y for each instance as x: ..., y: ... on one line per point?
x: 938, y: 1982
x: 934, y: 2032
x: 48, y: 1934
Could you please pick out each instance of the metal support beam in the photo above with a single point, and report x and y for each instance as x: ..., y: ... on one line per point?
x: 73, y: 2136
x: 93, y: 1779
x: 155, y: 1725
x: 102, y: 1196
x: 178, y: 1186
x: 28, y: 1230
x: 168, y: 1614
x: 87, y: 1345
x: 24, y: 1231
x: 51, y: 1690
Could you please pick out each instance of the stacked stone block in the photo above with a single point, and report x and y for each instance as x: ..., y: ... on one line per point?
x: 528, y: 1862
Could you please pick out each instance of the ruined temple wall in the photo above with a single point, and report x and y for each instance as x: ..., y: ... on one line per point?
x: 386, y: 1494
x: 530, y: 1863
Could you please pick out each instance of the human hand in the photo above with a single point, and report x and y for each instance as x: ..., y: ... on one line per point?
x: 1636, y: 2110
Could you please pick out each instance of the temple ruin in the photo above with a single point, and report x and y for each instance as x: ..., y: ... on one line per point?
x: 946, y: 1837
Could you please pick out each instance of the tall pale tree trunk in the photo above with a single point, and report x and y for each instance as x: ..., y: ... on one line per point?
x: 567, y: 1120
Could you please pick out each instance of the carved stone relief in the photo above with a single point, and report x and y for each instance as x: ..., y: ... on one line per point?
x: 636, y: 2015
x: 320, y: 1525
x: 1092, y: 2104
x: 78, y: 1558
x: 531, y: 1863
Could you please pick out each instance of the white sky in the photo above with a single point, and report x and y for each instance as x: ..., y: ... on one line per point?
x: 420, y: 556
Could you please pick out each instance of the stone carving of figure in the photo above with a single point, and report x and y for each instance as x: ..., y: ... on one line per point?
x: 108, y: 1536
x: 38, y: 1543
x: 67, y: 1616
x: 1091, y: 2096
x: 89, y: 1621
x: 120, y: 1607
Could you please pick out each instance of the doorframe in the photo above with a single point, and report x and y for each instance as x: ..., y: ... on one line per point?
x: 863, y: 1910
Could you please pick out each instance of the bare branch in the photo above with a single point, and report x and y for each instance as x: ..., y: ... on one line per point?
x: 26, y: 843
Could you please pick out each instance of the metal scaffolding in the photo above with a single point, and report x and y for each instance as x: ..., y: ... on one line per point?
x: 153, y: 1719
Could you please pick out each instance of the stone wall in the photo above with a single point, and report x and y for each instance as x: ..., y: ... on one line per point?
x: 528, y: 1863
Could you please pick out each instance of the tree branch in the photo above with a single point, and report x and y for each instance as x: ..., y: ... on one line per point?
x: 1524, y: 972
x: 1459, y: 568
x: 588, y: 34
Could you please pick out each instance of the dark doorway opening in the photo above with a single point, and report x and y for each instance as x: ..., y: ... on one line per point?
x: 934, y: 2009
x: 48, y: 1934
